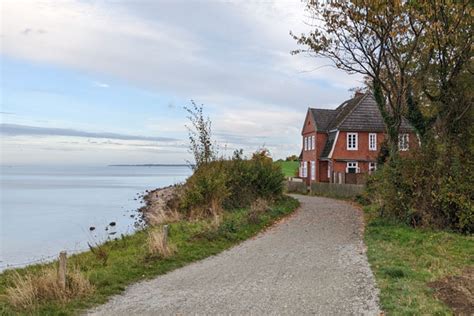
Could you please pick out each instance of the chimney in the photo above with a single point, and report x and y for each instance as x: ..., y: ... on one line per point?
x: 358, y: 94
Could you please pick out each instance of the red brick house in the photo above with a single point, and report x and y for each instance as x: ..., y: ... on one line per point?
x: 344, y: 141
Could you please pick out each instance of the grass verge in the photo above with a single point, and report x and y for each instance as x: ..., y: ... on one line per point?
x: 405, y: 260
x: 289, y: 168
x: 129, y: 261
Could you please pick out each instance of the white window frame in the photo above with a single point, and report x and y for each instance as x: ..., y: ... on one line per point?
x: 313, y: 143
x: 305, y: 169
x: 329, y: 170
x: 313, y: 170
x: 373, y: 141
x: 403, y: 141
x: 356, y: 141
x: 352, y: 164
x: 305, y: 143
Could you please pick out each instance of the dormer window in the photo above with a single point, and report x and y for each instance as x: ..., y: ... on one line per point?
x: 352, y: 141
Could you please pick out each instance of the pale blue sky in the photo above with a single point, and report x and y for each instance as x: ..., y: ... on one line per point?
x: 105, y: 82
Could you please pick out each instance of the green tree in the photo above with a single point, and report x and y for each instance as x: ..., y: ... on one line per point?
x: 378, y: 39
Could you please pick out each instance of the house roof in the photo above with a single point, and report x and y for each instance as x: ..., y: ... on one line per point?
x: 329, y: 144
x: 360, y: 113
x: 322, y: 118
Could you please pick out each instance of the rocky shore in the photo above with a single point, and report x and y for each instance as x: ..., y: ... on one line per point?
x: 157, y: 203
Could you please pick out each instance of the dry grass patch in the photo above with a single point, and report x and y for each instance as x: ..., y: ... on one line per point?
x: 457, y: 291
x: 30, y: 290
x: 257, y: 208
x: 163, y: 217
x: 158, y: 244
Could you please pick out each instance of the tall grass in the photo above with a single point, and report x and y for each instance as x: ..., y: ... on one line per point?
x: 158, y: 245
x: 34, y: 288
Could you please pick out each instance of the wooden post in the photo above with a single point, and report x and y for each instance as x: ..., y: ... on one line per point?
x: 165, y: 234
x: 62, y: 269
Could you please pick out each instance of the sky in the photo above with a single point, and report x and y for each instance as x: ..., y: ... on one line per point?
x: 105, y: 82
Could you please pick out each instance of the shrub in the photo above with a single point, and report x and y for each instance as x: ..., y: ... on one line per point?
x: 205, y: 191
x: 30, y: 290
x: 230, y: 184
x: 431, y: 188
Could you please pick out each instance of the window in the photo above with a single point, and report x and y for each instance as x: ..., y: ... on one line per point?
x: 403, y: 142
x: 372, y: 167
x: 313, y: 144
x: 352, y: 167
x: 305, y: 169
x: 372, y: 141
x: 351, y: 141
x: 305, y: 143
x: 313, y: 170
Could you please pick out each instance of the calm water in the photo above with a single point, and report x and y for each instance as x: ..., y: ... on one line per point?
x: 48, y: 209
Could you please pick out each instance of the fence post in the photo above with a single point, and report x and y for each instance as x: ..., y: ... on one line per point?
x: 62, y: 269
x: 165, y: 235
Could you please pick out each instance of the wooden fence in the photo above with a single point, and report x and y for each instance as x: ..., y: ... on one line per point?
x: 325, y: 189
x: 336, y: 190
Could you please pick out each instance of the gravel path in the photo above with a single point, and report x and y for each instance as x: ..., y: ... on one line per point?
x: 311, y: 263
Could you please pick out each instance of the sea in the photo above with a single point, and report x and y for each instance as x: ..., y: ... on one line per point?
x: 45, y: 210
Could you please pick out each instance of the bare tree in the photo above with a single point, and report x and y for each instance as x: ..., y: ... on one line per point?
x: 200, y: 136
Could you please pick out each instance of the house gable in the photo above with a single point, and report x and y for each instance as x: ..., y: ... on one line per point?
x: 309, y: 125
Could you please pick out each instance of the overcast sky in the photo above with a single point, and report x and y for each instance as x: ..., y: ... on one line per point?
x: 105, y: 82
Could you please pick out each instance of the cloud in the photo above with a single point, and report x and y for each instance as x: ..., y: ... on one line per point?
x: 233, y: 56
x: 243, y: 51
x: 101, y: 84
x: 23, y: 130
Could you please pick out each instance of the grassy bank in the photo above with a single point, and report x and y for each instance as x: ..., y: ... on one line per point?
x: 289, y: 168
x: 406, y: 260
x: 128, y: 259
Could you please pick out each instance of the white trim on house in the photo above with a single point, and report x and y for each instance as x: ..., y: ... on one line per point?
x: 334, y: 145
x: 313, y: 170
x: 372, y: 141
x: 313, y: 142
x: 352, y: 164
x: 356, y: 141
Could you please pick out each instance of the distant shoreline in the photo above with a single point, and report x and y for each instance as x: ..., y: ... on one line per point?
x: 151, y: 165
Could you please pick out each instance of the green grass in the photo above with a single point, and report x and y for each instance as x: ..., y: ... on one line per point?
x: 128, y: 261
x: 405, y: 259
x: 289, y: 168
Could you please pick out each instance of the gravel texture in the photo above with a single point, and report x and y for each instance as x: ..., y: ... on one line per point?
x: 313, y: 262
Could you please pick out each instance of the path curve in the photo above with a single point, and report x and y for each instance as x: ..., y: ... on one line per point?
x: 311, y: 263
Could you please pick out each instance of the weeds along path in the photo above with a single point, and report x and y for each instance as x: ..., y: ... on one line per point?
x: 314, y: 262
